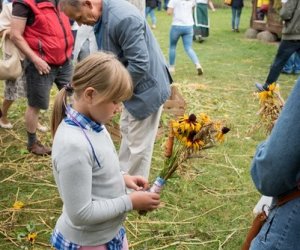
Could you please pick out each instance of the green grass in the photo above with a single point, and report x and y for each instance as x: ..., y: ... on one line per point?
x: 207, y: 208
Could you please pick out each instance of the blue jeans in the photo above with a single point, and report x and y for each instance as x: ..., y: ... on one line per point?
x: 285, y: 50
x: 186, y: 32
x: 293, y: 64
x: 236, y: 16
x: 281, y: 230
x: 151, y: 11
x: 159, y: 5
x: 166, y: 4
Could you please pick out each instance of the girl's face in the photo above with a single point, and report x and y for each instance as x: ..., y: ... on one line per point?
x: 90, y: 105
x: 104, y: 111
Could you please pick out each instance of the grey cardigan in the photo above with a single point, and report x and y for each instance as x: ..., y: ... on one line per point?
x: 94, y: 198
x: 290, y: 14
x: 125, y: 32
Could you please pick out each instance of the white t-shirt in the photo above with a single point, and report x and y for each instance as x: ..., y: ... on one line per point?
x: 182, y: 12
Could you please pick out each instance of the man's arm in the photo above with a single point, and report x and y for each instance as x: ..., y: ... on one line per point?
x: 16, y: 35
x: 288, y: 9
x: 131, y: 38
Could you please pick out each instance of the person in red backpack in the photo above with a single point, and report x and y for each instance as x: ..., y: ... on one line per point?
x: 43, y: 33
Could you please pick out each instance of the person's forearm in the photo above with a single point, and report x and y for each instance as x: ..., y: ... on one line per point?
x: 22, y: 45
x: 170, y: 11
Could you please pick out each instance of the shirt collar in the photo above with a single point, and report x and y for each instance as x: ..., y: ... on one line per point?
x: 75, y: 118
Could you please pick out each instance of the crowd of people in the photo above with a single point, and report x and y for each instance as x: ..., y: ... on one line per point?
x: 131, y: 77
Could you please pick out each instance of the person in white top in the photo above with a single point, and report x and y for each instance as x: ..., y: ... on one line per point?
x: 182, y: 26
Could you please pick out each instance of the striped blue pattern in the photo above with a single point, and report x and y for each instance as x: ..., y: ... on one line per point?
x: 60, y: 243
x: 83, y: 121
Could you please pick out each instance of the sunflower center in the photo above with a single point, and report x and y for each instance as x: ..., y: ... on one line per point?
x: 192, y: 118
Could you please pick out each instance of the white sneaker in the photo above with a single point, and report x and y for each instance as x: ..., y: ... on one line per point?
x: 153, y: 26
x: 6, y: 125
x: 42, y: 128
x: 171, y: 69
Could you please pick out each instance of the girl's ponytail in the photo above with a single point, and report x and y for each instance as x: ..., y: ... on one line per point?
x: 59, y: 108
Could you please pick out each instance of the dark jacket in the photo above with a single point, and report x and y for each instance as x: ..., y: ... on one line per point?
x: 238, y: 4
x: 151, y: 3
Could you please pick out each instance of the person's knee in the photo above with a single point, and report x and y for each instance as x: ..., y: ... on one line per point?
x: 32, y: 110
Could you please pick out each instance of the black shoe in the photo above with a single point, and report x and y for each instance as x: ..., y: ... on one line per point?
x: 237, y: 30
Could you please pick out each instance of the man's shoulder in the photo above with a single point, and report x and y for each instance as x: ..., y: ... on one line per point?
x: 121, y: 9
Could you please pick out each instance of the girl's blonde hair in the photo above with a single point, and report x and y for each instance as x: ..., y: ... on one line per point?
x: 101, y: 71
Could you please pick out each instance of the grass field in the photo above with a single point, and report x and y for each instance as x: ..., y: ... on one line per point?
x: 208, y: 207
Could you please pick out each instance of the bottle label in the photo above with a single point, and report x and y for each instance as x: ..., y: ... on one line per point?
x: 157, y: 185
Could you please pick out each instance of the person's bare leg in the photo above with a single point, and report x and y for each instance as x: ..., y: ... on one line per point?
x: 5, y: 107
x: 31, y: 119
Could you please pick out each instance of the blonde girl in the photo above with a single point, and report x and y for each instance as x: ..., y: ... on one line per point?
x: 85, y: 162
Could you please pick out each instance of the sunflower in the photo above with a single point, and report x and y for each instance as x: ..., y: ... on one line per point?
x: 204, y: 119
x: 186, y: 124
x: 220, y: 134
x: 193, y: 143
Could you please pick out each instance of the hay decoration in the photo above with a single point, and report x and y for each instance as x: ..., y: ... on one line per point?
x: 271, y: 104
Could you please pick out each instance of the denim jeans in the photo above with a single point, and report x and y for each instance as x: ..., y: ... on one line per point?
x: 186, y: 32
x: 293, y: 64
x: 285, y: 50
x: 151, y: 11
x: 236, y: 16
x: 166, y: 2
x: 281, y: 230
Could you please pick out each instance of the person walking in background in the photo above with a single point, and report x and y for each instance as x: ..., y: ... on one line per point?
x: 236, y: 8
x: 48, y: 57
x: 121, y: 29
x: 150, y: 10
x: 275, y: 171
x: 292, y: 66
x: 201, y: 26
x: 290, y: 41
x: 85, y: 163
x: 182, y: 26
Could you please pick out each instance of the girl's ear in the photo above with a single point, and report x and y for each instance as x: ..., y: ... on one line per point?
x: 89, y: 94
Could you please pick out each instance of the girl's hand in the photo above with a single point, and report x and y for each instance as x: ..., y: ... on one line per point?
x: 144, y: 201
x: 136, y: 183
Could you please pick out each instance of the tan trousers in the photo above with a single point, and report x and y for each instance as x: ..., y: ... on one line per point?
x: 138, y: 137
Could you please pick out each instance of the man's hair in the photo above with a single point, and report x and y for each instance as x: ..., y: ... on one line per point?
x: 73, y: 3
